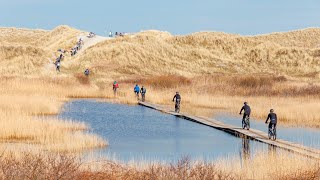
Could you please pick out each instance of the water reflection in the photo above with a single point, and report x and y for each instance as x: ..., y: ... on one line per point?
x: 245, y: 148
x: 272, y: 149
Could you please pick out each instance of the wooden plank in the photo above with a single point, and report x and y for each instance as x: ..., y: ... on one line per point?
x: 252, y: 133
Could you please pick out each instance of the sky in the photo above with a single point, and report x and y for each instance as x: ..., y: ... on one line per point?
x: 246, y: 17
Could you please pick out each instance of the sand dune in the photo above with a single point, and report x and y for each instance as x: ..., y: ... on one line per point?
x: 295, y: 53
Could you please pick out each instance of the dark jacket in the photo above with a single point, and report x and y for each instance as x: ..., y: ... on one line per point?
x: 143, y: 90
x: 246, y: 109
x: 273, y: 118
x: 177, y: 97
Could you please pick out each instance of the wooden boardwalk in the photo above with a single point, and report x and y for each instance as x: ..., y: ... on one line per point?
x: 238, y: 131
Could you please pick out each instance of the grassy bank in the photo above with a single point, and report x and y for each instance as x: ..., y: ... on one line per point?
x: 53, y: 166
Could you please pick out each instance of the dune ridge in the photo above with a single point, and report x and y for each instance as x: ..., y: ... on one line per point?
x: 294, y: 53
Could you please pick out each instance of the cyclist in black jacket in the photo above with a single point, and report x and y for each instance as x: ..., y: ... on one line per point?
x: 178, y: 100
x: 273, y: 118
x: 247, y: 111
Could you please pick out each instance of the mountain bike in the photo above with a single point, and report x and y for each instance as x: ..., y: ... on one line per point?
x: 143, y: 97
x: 272, y: 132
x: 177, y: 106
x: 246, y: 123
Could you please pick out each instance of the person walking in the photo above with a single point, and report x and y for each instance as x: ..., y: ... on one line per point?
x: 143, y: 92
x: 137, y: 90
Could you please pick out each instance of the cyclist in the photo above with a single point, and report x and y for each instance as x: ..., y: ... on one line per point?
x: 143, y: 92
x: 115, y: 86
x: 247, y: 111
x: 137, y: 90
x: 273, y: 119
x: 178, y: 100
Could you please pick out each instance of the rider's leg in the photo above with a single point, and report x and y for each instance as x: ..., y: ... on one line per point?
x: 244, y: 117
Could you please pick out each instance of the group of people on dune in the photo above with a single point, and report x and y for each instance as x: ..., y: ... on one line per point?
x: 117, y: 34
x: 73, y: 52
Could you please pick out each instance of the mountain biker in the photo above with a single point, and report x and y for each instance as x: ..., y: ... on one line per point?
x: 137, y: 90
x: 247, y: 111
x: 115, y: 85
x: 143, y: 92
x: 87, y: 72
x: 273, y: 119
x: 178, y: 100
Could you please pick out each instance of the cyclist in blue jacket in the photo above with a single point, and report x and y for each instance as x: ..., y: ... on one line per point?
x: 137, y: 90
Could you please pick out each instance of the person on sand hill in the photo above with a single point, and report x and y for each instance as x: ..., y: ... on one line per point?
x: 137, y: 90
x: 247, y: 111
x: 57, y: 63
x: 143, y: 92
x: 86, y: 72
x: 115, y: 86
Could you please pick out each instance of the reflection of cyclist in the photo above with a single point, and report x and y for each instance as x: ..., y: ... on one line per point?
x: 247, y: 111
x: 273, y: 119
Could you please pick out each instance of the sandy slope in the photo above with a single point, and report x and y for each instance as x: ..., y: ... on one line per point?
x: 294, y: 53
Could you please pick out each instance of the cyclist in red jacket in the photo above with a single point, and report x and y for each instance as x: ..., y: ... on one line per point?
x: 115, y: 87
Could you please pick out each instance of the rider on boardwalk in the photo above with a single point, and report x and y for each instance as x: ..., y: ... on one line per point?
x: 247, y: 111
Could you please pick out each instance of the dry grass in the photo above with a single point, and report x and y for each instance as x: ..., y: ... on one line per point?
x: 281, y: 165
x: 22, y: 99
x: 53, y: 166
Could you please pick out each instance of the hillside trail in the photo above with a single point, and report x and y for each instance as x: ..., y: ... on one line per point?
x: 50, y: 68
x: 88, y: 42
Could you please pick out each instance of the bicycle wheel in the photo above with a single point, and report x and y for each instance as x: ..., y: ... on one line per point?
x: 248, y: 124
x: 274, y: 133
x: 269, y: 133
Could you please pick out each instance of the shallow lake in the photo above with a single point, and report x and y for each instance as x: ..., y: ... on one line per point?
x: 136, y: 133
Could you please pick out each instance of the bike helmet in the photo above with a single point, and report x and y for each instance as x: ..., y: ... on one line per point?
x: 115, y: 82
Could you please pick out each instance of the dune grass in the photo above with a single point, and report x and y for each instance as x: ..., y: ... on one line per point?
x: 55, y: 166
x: 24, y: 102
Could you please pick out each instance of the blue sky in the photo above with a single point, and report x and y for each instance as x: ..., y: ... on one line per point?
x: 245, y: 17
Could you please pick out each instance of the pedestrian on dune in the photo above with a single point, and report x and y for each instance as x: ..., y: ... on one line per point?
x: 57, y: 63
x: 86, y: 72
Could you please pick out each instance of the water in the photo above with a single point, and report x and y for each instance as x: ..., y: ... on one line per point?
x: 306, y: 136
x: 138, y: 133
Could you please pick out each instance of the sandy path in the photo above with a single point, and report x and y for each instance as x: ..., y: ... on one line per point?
x: 88, y: 42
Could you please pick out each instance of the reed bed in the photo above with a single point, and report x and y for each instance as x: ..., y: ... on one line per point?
x: 58, y: 166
